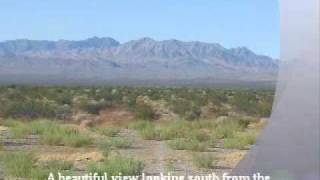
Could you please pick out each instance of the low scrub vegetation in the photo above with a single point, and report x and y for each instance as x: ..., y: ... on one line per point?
x: 188, y: 144
x: 60, y: 102
x: 241, y: 140
x: 117, y: 142
x: 108, y: 131
x: 144, y: 112
x: 198, y: 135
x: 23, y: 165
x: 203, y: 160
x: 117, y: 164
x: 195, y: 120
x: 50, y: 132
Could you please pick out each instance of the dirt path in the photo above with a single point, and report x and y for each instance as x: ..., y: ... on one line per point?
x: 158, y: 151
x: 158, y: 157
x: 152, y: 153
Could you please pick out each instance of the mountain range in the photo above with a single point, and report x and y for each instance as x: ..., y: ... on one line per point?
x: 105, y: 60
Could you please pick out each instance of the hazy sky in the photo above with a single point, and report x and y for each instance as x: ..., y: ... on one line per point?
x: 232, y: 23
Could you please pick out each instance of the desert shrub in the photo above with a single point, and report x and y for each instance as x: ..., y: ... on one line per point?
x: 94, y: 107
x: 264, y: 108
x: 144, y: 112
x: 41, y: 102
x: 186, y: 108
x: 253, y: 103
x: 203, y: 160
x: 64, y: 99
x: 118, y: 164
x: 31, y: 109
x: 63, y: 112
x: 180, y: 106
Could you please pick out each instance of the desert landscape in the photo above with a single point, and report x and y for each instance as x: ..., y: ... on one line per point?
x: 131, y: 130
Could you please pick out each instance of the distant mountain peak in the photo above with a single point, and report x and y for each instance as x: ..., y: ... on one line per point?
x: 146, y: 39
x: 145, y: 58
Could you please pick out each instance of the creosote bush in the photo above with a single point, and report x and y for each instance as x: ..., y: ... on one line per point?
x: 144, y: 112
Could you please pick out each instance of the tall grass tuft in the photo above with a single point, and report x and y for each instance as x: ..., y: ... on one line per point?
x: 17, y: 164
